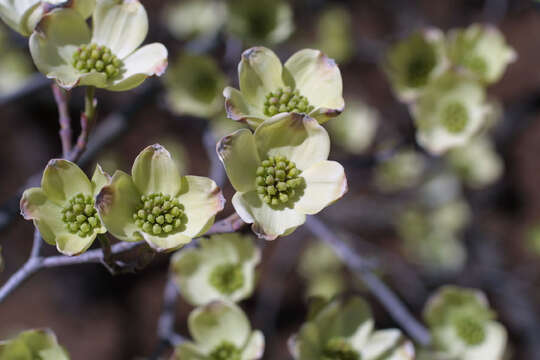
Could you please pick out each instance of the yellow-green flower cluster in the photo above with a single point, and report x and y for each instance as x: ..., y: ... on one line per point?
x: 443, y: 79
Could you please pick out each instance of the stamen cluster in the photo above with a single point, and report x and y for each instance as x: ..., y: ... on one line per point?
x: 158, y: 214
x: 226, y: 351
x: 227, y: 278
x: 455, y: 117
x: 79, y: 215
x: 278, y: 180
x: 97, y: 58
x: 470, y: 330
x: 286, y: 100
x: 339, y: 349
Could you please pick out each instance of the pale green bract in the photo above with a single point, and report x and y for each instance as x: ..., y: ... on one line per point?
x: 401, y: 171
x: 195, y: 18
x: 194, y: 84
x: 344, y: 329
x: 452, y: 111
x: 481, y: 51
x: 157, y: 204
x: 63, y: 207
x: 309, y: 83
x: 463, y: 326
x: 32, y: 345
x: 23, y: 15
x: 222, y: 268
x: 334, y: 33
x: 274, y: 205
x: 220, y: 331
x: 108, y: 56
x: 416, y: 61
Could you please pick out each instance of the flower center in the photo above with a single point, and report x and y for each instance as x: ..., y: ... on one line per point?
x: 339, y: 349
x: 227, y: 278
x: 420, y: 66
x: 225, y: 351
x: 476, y: 64
x: 79, y: 215
x: 470, y: 330
x: 286, y: 100
x: 455, y: 117
x: 159, y: 214
x: 97, y: 58
x: 278, y: 180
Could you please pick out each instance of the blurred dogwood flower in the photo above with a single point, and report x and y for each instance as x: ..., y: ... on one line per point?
x: 414, y: 62
x: 108, y: 56
x: 480, y: 50
x: 222, y: 268
x: 401, y: 171
x: 334, y: 33
x: 33, y: 344
x: 195, y: 18
x: 452, y: 111
x: 63, y: 207
x: 157, y: 204
x: 308, y: 83
x: 281, y: 173
x: 220, y: 330
x: 260, y: 22
x: 463, y: 325
x: 345, y: 330
x: 194, y: 84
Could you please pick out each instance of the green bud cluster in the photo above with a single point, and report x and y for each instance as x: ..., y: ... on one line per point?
x: 226, y: 351
x: 286, y: 100
x: 79, y: 215
x: 455, y: 117
x: 470, y: 330
x: 227, y: 278
x: 339, y: 349
x: 97, y: 58
x: 159, y: 214
x: 476, y: 64
x: 278, y: 180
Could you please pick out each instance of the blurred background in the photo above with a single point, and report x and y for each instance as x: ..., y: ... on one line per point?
x: 469, y: 218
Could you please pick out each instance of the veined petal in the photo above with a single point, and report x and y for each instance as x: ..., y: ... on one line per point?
x: 318, y: 78
x: 167, y: 242
x: 155, y: 171
x: 493, y: 347
x: 268, y: 223
x: 73, y: 244
x: 116, y: 203
x: 202, y: 200
x: 147, y: 61
x: 239, y: 109
x: 255, y: 346
x: 121, y: 25
x: 239, y: 155
x: 99, y: 179
x: 47, y: 215
x: 52, y: 45
x: 217, y: 322
x: 94, y: 78
x: 323, y: 114
x: 297, y: 137
x: 16, y: 13
x: 260, y: 73
x: 325, y: 183
x: 63, y: 179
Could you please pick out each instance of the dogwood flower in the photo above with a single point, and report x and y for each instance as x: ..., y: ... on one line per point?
x: 33, y: 344
x: 157, y: 204
x: 108, y: 56
x: 481, y: 51
x: 281, y: 173
x: 414, y: 62
x: 308, y: 83
x: 220, y: 331
x: 222, y: 268
x: 452, y: 110
x: 345, y: 330
x: 463, y: 327
x: 63, y: 207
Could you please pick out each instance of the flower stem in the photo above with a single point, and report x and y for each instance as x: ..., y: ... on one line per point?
x: 87, y: 122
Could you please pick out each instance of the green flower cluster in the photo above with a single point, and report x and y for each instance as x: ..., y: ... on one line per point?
x: 463, y: 326
x: 443, y: 79
x: 159, y: 213
x: 286, y: 100
x: 80, y: 216
x: 278, y: 180
x: 93, y: 57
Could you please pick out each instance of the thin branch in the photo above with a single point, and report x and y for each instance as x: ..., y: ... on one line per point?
x: 61, y: 98
x: 88, y: 118
x: 363, y: 269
